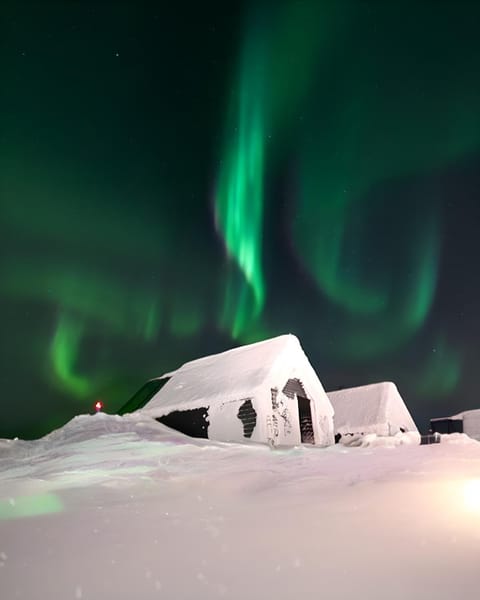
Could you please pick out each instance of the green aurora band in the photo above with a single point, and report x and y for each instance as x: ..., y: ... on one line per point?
x: 441, y: 372
x: 376, y: 125
x: 64, y: 351
x: 240, y: 194
x: 89, y: 303
x: 349, y: 101
x: 271, y: 84
x: 367, y: 124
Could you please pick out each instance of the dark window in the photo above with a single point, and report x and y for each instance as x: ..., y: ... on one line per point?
x: 144, y: 394
x: 292, y: 387
x: 447, y: 426
x: 439, y: 426
x: 305, y: 418
x: 430, y: 438
x: 248, y: 417
x: 456, y: 426
x: 190, y: 422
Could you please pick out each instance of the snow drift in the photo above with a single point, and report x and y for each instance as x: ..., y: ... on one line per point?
x: 115, y: 508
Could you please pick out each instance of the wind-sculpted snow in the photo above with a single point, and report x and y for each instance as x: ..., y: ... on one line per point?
x: 113, y: 508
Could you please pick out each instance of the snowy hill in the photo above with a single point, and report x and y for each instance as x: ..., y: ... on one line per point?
x: 118, y: 508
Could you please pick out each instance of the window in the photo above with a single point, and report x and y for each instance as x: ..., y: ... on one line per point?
x: 192, y: 422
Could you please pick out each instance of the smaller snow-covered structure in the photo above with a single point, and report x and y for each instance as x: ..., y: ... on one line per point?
x: 264, y: 392
x: 465, y: 422
x: 376, y: 408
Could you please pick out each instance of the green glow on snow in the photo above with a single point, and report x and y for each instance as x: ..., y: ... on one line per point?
x: 30, y: 506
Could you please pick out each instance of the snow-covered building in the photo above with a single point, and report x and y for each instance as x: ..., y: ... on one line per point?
x: 264, y: 392
x: 376, y: 408
x: 465, y: 422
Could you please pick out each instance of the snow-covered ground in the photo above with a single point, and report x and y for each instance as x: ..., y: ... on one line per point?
x: 119, y: 508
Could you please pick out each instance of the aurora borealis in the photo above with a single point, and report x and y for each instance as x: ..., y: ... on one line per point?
x: 176, y: 182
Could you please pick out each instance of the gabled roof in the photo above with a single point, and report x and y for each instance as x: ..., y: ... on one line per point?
x: 369, y: 406
x: 474, y: 412
x: 236, y: 374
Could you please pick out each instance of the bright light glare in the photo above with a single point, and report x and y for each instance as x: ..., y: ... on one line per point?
x: 471, y: 494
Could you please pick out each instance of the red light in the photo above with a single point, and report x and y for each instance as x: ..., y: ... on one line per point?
x: 98, y: 405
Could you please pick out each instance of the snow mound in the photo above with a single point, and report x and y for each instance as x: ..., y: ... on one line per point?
x: 374, y: 440
x: 92, y: 427
x: 118, y: 507
x: 458, y: 439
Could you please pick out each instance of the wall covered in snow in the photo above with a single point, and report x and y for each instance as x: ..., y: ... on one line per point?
x: 377, y: 408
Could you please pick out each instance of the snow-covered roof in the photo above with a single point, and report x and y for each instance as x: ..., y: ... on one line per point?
x: 460, y: 416
x: 235, y: 374
x: 370, y: 407
x: 470, y: 420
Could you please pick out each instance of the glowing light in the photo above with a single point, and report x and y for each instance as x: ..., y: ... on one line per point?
x: 471, y: 495
x: 98, y: 406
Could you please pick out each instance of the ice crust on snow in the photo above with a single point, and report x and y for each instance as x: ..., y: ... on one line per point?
x: 377, y: 408
x: 142, y: 510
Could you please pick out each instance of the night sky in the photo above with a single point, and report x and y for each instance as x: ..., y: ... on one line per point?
x: 180, y: 178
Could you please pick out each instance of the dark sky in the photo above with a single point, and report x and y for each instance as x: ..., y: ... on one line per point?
x: 180, y: 178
